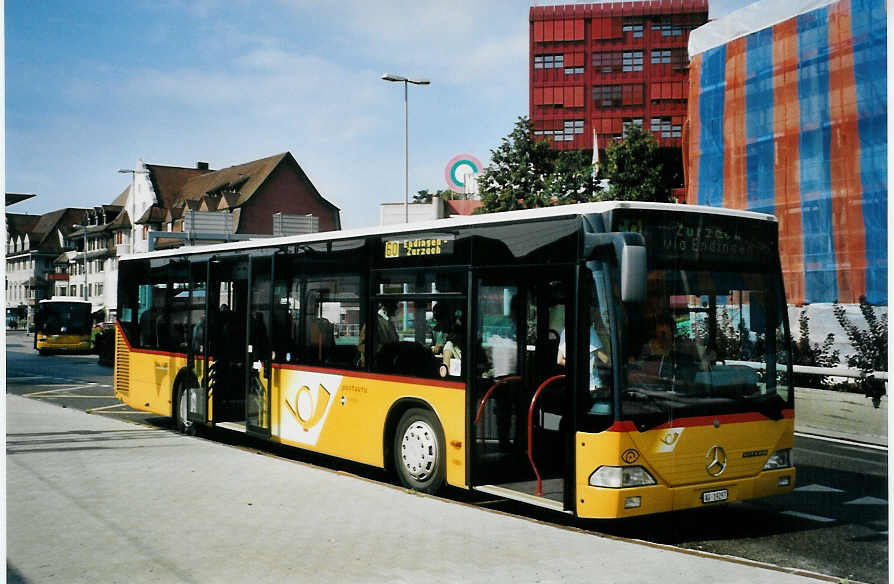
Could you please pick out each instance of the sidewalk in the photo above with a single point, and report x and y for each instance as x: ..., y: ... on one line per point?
x: 835, y: 414
x: 93, y: 499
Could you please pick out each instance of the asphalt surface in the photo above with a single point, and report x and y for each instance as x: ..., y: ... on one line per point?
x: 835, y: 523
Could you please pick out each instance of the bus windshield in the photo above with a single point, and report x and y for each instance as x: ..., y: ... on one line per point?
x: 705, y: 343
x: 71, y: 318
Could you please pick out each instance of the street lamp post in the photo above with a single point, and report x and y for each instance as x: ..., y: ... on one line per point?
x: 84, y: 227
x: 133, y: 202
x: 406, y: 81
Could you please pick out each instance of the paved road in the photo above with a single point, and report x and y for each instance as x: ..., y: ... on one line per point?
x: 834, y: 523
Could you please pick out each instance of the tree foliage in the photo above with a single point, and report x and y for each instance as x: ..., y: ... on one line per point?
x: 426, y: 196
x: 634, y: 170
x: 871, y: 346
x: 525, y: 173
x: 813, y: 355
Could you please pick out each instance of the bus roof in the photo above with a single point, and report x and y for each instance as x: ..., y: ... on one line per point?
x: 453, y: 222
x: 64, y: 301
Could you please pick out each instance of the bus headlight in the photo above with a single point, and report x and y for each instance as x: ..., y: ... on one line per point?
x: 620, y: 477
x: 779, y: 459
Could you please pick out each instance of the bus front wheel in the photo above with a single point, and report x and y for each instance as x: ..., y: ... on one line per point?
x: 419, y: 453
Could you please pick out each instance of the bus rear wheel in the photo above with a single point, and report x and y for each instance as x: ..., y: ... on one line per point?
x: 181, y: 420
x: 419, y: 453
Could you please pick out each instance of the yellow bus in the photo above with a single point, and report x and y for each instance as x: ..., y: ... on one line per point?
x: 63, y: 325
x: 605, y: 360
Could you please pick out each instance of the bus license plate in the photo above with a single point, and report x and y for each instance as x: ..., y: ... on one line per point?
x: 715, y: 496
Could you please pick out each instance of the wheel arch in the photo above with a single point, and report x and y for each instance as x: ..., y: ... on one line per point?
x: 183, y: 377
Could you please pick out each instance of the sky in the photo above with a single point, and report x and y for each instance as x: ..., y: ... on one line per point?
x: 93, y: 87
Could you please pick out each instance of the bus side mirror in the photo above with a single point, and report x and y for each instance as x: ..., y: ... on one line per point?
x: 633, y: 273
x: 630, y: 252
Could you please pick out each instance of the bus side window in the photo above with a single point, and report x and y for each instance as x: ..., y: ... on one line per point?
x: 332, y: 322
x: 150, y: 298
x: 319, y: 335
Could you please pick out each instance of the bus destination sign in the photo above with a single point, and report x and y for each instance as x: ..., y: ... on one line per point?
x: 690, y: 236
x: 425, y: 245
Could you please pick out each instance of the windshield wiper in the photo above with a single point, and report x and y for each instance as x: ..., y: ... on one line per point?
x: 658, y: 400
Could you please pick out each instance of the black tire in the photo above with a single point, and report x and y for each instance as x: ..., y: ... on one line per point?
x: 419, y: 451
x: 178, y: 412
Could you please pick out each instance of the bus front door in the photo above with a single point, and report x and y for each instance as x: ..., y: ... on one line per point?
x: 520, y: 409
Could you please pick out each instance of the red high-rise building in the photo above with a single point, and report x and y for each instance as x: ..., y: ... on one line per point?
x: 604, y: 66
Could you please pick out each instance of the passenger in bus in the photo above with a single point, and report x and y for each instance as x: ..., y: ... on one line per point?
x: 504, y: 366
x: 385, y: 336
x: 198, y: 336
x: 386, y: 332
x: 259, y: 340
x: 440, y: 326
x: 446, y: 323
x: 662, y: 355
x: 599, y: 357
x: 451, y: 353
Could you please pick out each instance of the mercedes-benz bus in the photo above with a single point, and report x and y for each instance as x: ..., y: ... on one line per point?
x: 63, y: 325
x: 605, y: 359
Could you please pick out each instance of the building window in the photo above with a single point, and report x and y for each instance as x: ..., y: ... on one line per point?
x: 664, y: 128
x: 607, y: 62
x: 549, y: 61
x: 607, y: 95
x: 574, y: 70
x: 569, y: 129
x: 635, y: 27
x: 676, y: 57
x: 661, y: 56
x: 630, y: 123
x: 563, y: 133
x: 633, y: 61
x: 669, y: 29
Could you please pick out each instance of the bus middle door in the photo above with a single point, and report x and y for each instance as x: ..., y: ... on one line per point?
x: 258, y: 354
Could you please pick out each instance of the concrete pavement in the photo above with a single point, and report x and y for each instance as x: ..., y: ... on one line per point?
x: 848, y: 416
x: 94, y: 499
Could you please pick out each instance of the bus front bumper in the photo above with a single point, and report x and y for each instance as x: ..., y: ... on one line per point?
x: 606, y: 503
x: 62, y: 343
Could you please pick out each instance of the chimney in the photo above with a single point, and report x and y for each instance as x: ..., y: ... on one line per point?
x: 201, y: 165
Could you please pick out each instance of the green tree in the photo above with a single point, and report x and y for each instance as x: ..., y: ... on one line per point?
x: 525, y: 173
x: 634, y: 170
x: 871, y: 346
x: 812, y: 355
x: 515, y: 177
x: 425, y: 195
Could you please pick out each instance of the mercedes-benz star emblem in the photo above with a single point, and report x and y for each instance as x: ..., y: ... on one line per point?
x: 716, y: 458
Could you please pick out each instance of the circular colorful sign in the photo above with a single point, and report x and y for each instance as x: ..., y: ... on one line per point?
x: 458, y: 169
